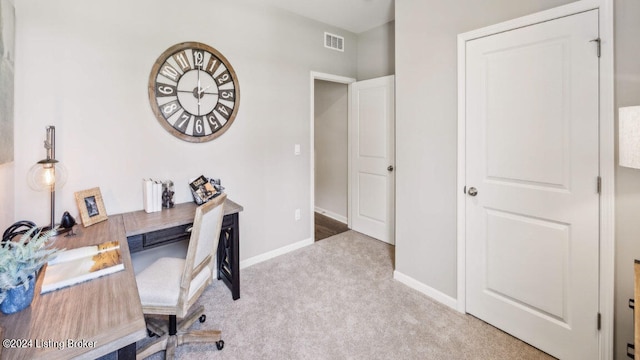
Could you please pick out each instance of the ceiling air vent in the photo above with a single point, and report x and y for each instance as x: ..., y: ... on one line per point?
x: 334, y: 42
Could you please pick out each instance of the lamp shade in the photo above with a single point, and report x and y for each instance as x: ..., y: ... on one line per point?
x: 629, y: 136
x: 47, y: 175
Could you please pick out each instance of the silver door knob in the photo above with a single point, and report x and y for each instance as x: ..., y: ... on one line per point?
x: 390, y: 168
x: 472, y: 191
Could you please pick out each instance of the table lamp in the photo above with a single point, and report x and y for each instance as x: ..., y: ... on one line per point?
x: 49, y: 175
x: 629, y: 136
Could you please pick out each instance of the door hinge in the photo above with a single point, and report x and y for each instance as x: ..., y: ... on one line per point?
x: 599, y: 321
x: 598, y: 46
x: 599, y: 185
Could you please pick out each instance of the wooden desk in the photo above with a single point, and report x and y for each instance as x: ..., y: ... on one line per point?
x: 148, y: 230
x: 104, y: 314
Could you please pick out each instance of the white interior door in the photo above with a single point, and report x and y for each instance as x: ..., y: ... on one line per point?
x: 371, y: 139
x: 531, y: 209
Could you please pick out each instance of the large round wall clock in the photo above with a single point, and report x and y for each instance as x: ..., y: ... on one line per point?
x: 194, y: 92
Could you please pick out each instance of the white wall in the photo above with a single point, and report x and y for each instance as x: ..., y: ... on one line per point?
x: 84, y: 67
x: 7, y: 203
x: 375, y: 58
x: 627, y: 53
x: 7, y: 56
x: 426, y: 129
x: 331, y: 150
x: 376, y: 52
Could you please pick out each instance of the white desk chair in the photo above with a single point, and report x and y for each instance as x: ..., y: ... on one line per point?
x: 170, y: 286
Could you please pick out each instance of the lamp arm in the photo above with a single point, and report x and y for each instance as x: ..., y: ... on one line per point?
x: 50, y: 142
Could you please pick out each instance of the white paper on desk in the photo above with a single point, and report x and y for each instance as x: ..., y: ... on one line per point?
x: 85, y: 251
x: 78, y: 265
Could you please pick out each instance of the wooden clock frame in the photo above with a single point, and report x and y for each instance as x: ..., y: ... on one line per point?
x: 177, y: 61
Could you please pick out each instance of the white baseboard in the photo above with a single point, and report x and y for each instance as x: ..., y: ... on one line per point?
x: 277, y: 252
x: 334, y: 216
x: 427, y: 290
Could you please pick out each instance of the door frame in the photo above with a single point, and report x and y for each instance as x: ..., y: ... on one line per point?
x: 606, y: 154
x: 312, y: 179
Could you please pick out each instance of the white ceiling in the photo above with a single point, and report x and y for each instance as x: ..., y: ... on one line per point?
x: 352, y: 15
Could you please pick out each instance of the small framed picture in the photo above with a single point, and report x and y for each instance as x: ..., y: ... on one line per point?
x: 91, y: 206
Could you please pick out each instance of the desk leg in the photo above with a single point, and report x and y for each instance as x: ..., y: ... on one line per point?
x: 128, y: 352
x: 235, y: 250
x: 229, y: 255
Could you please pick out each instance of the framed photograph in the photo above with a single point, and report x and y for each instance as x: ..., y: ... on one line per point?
x: 91, y: 206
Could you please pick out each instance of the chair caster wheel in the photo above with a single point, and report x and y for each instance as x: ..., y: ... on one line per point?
x: 202, y: 318
x: 220, y: 344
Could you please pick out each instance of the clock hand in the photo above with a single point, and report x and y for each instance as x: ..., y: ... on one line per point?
x: 202, y: 90
x: 199, y: 92
x: 198, y: 80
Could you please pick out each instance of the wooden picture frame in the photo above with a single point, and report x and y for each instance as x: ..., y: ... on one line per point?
x: 91, y: 206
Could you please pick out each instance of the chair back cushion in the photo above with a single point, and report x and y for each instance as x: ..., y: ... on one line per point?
x: 199, y: 265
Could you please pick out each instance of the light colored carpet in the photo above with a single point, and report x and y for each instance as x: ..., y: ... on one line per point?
x: 336, y: 299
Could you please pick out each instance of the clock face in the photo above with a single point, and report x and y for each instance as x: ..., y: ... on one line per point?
x: 194, y: 92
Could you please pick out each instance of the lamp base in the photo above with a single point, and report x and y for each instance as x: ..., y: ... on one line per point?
x: 59, y: 230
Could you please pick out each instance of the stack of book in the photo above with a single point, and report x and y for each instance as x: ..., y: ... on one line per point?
x: 204, y: 189
x: 152, y: 195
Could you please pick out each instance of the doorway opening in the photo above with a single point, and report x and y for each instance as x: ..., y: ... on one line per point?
x: 330, y: 155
